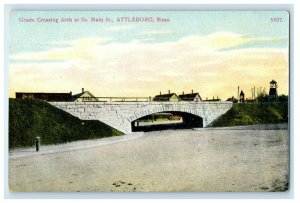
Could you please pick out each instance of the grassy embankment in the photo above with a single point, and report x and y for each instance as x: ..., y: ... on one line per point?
x: 29, y: 119
x: 253, y: 114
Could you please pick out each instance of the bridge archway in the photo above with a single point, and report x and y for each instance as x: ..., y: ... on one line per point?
x: 186, y: 121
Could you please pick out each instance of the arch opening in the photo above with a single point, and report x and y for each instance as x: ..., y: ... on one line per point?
x: 167, y: 120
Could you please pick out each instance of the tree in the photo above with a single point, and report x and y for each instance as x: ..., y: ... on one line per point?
x: 283, y: 98
x: 262, y: 96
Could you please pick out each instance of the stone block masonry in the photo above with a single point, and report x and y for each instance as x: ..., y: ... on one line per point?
x: 119, y: 115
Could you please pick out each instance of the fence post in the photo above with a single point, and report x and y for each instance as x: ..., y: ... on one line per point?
x: 37, y: 144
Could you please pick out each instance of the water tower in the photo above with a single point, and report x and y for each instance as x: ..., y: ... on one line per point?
x: 273, y: 95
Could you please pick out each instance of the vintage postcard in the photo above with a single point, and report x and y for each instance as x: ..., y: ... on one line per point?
x: 148, y: 101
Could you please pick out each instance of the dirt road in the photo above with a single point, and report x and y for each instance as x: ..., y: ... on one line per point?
x: 174, y: 160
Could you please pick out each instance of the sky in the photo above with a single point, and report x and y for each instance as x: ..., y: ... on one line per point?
x: 210, y: 52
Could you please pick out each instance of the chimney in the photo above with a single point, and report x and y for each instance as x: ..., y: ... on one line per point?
x: 169, y: 92
x: 71, y: 93
x: 82, y: 90
x: 160, y: 93
x: 192, y: 91
x: 182, y: 93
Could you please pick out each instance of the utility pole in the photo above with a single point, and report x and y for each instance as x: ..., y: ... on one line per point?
x: 238, y: 93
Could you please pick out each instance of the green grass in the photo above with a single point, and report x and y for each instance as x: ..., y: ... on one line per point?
x: 253, y: 114
x: 29, y: 119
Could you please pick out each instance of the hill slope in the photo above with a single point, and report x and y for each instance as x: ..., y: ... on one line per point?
x: 31, y: 118
x: 253, y: 114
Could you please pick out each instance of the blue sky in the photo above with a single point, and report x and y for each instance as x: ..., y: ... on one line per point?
x: 91, y: 47
x: 34, y: 36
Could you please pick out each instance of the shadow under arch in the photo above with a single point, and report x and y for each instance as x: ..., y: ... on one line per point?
x: 188, y: 121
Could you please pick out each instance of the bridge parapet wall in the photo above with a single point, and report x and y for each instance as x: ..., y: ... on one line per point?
x: 119, y: 115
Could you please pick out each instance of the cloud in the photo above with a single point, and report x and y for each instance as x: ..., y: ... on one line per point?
x: 82, y: 41
x: 147, y: 39
x: 223, y: 40
x: 269, y: 39
x: 72, y: 50
x: 157, y: 32
x: 143, y: 69
x: 120, y: 28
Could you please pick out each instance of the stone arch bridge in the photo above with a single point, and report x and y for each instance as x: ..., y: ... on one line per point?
x: 120, y: 115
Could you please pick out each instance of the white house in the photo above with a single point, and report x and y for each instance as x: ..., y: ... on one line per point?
x: 84, y: 96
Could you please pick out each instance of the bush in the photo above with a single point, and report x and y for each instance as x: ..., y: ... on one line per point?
x: 253, y: 114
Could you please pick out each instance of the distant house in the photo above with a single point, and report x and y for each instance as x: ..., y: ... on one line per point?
x: 234, y: 100
x: 44, y: 96
x: 171, y: 97
x: 84, y: 96
x: 190, y: 97
x: 242, y: 96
